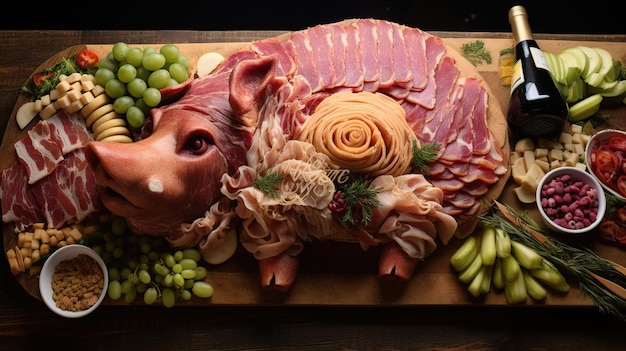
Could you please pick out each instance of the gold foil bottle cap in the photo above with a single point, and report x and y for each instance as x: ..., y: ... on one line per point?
x: 518, y: 18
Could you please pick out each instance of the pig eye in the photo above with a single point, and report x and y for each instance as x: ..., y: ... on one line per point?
x: 197, y: 145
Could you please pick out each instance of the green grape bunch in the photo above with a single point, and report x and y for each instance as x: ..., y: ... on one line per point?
x: 133, y: 78
x: 146, y: 268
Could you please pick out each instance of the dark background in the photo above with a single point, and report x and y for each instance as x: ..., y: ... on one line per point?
x: 591, y: 16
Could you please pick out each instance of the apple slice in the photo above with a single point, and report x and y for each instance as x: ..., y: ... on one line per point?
x: 571, y: 66
x: 585, y: 108
x: 25, y: 114
x: 583, y: 60
x: 595, y: 61
x: 556, y: 67
x: 606, y: 69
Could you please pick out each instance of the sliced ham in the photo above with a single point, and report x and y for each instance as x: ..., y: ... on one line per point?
x: 435, y: 50
x: 286, y: 65
x: 368, y: 49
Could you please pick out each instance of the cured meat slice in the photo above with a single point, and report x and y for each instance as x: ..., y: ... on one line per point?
x: 320, y: 42
x: 43, y: 147
x: 286, y: 66
x: 415, y: 42
x: 305, y: 60
x: 38, y: 153
x: 81, y: 182
x: 435, y: 50
x: 386, y: 56
x: 355, y: 75
x: 446, y: 75
x: 402, y: 64
x: 19, y: 203
x: 55, y: 198
x: 339, y: 43
x: 69, y: 131
x: 368, y: 49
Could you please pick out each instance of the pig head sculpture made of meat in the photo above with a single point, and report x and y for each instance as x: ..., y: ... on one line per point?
x: 275, y: 142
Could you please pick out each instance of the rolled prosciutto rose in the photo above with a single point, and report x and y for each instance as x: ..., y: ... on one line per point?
x: 363, y: 132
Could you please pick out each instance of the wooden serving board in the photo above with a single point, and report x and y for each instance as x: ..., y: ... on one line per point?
x: 342, y: 274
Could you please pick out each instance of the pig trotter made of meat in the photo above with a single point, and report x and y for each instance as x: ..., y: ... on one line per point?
x: 278, y: 273
x: 394, y: 264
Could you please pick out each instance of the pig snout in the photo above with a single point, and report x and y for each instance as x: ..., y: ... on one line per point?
x: 157, y: 183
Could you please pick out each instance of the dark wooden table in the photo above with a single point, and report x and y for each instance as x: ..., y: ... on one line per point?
x: 25, y: 323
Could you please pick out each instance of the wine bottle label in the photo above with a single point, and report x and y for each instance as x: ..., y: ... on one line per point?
x: 538, y: 58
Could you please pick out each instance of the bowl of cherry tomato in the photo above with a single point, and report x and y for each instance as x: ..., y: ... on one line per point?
x: 605, y: 155
x: 570, y: 200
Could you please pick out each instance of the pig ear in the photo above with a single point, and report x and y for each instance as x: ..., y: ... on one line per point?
x: 248, y: 81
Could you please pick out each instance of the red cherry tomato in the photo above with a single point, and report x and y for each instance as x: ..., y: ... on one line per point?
x: 617, y: 143
x: 606, y: 162
x: 86, y: 59
x: 39, y: 78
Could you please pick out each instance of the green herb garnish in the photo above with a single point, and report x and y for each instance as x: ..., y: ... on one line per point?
x: 424, y: 155
x: 268, y: 183
x: 37, y: 87
x: 475, y: 52
x: 360, y: 201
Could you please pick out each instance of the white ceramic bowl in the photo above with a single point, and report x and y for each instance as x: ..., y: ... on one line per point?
x: 600, y: 138
x: 45, y: 278
x: 576, y: 174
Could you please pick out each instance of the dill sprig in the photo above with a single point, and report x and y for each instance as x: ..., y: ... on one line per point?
x: 360, y: 200
x: 475, y: 52
x: 424, y: 155
x: 268, y: 183
x: 579, y: 261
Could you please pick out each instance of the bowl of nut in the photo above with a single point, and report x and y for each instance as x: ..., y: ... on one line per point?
x: 570, y: 200
x: 73, y: 281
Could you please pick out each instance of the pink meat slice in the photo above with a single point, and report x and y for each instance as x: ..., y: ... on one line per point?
x: 286, y: 65
x: 82, y: 184
x: 368, y: 51
x: 353, y: 60
x: 481, y: 142
x: 415, y: 42
x: 55, y: 197
x: 403, y: 66
x: 320, y: 42
x: 446, y: 75
x: 38, y: 153
x: 19, y: 203
x: 339, y: 43
x: 435, y: 49
x: 385, y: 53
x: 305, y: 60
x: 69, y: 131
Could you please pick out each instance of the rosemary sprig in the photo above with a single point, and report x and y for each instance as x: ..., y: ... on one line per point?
x: 424, y: 155
x: 268, y: 183
x: 579, y: 261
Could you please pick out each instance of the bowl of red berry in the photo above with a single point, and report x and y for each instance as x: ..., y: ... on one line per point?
x: 570, y: 200
x: 605, y: 155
